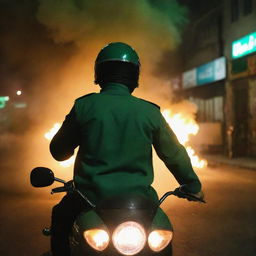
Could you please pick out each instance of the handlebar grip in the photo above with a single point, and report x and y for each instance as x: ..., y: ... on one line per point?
x: 189, y: 196
x: 194, y: 198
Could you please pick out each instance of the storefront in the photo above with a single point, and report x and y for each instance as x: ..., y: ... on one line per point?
x: 205, y: 86
x: 243, y: 96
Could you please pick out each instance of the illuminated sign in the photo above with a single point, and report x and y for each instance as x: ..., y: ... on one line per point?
x: 211, y: 72
x: 244, y: 46
x: 3, y: 100
x: 208, y: 73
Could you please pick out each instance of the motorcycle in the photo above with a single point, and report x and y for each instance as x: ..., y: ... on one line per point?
x: 117, y: 226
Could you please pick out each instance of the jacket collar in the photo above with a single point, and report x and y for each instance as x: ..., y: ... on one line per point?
x: 115, y: 89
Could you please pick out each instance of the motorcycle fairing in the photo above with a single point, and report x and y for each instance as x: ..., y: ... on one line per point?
x: 112, y: 212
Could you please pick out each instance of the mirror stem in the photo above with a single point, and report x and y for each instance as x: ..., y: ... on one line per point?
x: 60, y: 180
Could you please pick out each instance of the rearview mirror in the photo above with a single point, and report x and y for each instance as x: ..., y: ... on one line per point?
x: 41, y: 177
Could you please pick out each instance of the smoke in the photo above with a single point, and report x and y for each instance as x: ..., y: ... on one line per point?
x: 86, y: 22
x: 48, y: 49
x: 151, y: 27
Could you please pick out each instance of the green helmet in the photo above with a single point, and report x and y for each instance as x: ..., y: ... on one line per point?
x: 118, y: 52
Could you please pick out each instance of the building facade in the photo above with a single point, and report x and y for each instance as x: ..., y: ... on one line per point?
x: 204, y: 73
x: 220, y: 77
x: 239, y: 33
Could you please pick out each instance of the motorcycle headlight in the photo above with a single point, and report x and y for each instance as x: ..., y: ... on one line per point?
x: 159, y: 239
x: 129, y: 238
x: 98, y: 239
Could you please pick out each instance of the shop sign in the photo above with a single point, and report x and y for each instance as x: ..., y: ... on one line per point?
x: 189, y: 78
x: 244, y: 46
x: 205, y: 74
x: 3, y: 100
x: 211, y: 72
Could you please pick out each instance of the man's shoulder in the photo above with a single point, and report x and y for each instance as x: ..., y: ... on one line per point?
x: 85, y: 96
x: 149, y: 103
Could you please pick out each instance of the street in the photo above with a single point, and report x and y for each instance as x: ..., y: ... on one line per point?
x: 225, y: 226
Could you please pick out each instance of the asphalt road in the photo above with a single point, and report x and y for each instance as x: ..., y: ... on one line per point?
x: 225, y: 226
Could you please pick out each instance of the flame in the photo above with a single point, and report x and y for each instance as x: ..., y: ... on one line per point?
x: 49, y: 135
x: 183, y: 128
x: 68, y: 162
x: 195, y: 160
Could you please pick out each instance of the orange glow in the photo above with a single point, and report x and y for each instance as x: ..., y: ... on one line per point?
x: 49, y: 135
x: 183, y: 128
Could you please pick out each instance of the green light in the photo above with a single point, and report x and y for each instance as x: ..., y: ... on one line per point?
x: 244, y: 46
x: 3, y: 100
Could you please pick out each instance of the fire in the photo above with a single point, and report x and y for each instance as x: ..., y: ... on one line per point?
x: 68, y: 163
x: 49, y: 135
x: 195, y: 160
x: 183, y: 128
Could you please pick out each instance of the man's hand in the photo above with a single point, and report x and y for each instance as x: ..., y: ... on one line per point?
x: 182, y: 193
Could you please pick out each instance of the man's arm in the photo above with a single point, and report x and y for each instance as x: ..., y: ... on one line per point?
x: 175, y: 157
x: 66, y: 139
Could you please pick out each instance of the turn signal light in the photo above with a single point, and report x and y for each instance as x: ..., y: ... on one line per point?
x: 98, y: 239
x: 159, y: 239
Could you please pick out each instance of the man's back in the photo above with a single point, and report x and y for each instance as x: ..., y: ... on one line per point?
x: 115, y: 154
x: 115, y: 133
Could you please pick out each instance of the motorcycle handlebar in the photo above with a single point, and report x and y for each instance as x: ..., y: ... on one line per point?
x: 165, y: 195
x: 69, y: 186
x: 59, y: 190
x: 187, y: 196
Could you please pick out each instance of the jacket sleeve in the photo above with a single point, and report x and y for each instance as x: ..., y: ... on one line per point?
x: 66, y: 139
x: 175, y: 157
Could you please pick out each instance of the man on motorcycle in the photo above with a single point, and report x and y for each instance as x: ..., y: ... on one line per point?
x: 115, y: 132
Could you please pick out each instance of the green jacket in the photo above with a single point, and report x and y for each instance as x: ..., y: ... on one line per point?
x: 115, y: 132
